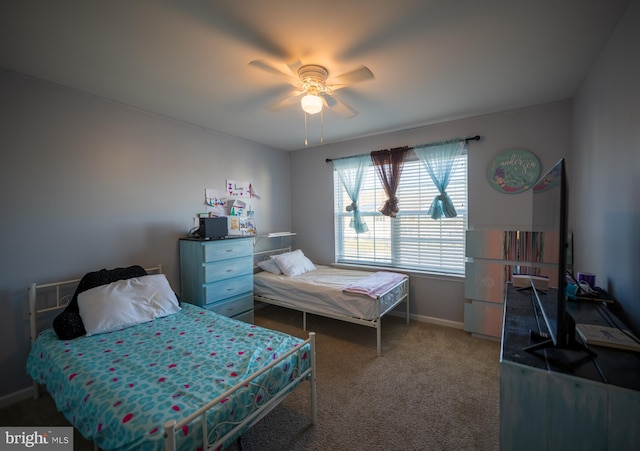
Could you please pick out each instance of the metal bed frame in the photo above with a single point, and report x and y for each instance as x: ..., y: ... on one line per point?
x: 375, y: 323
x: 172, y: 427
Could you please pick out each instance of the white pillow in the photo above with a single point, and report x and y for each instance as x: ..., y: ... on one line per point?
x: 125, y: 303
x: 293, y: 263
x: 269, y: 265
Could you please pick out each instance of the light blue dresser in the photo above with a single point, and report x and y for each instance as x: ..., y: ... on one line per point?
x: 218, y: 275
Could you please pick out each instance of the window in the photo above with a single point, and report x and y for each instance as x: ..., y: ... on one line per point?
x: 412, y: 240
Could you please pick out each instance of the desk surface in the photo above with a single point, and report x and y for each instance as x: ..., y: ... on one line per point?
x: 522, y: 314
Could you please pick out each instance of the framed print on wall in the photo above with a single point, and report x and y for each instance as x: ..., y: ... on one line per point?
x: 513, y: 171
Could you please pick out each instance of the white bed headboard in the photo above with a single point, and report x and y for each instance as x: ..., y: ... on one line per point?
x: 62, y: 293
x: 267, y: 254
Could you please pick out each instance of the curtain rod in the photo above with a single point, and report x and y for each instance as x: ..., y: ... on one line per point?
x: 466, y: 140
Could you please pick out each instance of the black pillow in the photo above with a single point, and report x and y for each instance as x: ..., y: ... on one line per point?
x: 68, y: 324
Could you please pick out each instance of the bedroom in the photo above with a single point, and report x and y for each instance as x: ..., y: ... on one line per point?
x: 88, y: 183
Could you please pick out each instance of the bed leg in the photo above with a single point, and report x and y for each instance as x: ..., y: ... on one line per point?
x: 406, y: 301
x: 314, y: 399
x: 379, y: 336
x: 304, y: 321
x: 408, y: 314
x: 170, y: 435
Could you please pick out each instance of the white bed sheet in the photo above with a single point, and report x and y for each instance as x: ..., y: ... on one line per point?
x: 320, y: 291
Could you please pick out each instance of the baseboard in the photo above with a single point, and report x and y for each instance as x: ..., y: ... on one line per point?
x: 429, y: 319
x: 15, y: 397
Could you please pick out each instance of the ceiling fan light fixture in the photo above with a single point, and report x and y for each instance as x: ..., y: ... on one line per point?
x: 311, y: 104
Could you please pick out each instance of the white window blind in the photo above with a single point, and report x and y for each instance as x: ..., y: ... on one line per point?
x: 412, y: 240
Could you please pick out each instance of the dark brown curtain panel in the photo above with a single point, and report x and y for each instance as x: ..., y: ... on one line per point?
x: 388, y: 164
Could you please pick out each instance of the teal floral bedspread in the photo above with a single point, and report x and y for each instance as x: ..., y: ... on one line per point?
x: 119, y: 388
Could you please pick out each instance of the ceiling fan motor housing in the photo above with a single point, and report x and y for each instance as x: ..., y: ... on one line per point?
x: 313, y: 78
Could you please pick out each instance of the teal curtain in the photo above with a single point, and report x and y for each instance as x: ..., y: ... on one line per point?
x: 438, y: 159
x: 351, y: 172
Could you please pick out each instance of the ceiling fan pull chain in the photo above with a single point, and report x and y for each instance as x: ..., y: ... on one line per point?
x: 321, y: 127
x: 306, y: 142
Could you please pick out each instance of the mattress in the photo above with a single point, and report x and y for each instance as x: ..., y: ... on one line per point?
x: 119, y: 388
x: 321, y: 291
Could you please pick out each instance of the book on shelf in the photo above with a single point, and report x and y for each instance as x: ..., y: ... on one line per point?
x: 607, y: 336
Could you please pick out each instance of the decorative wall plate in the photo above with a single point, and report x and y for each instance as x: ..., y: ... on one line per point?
x: 513, y: 171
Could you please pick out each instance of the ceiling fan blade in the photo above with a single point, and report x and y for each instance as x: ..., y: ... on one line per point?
x: 355, y: 76
x: 338, y: 106
x: 294, y: 66
x: 226, y: 17
x: 262, y: 65
x: 291, y: 99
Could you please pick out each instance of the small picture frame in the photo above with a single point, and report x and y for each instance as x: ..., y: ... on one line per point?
x: 249, y: 226
x: 235, y: 228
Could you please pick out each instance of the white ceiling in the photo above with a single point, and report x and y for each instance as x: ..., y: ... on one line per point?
x: 433, y: 60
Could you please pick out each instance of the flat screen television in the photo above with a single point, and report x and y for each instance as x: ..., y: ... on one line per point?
x: 550, y: 217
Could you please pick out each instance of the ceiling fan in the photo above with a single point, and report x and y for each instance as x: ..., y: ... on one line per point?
x: 311, y: 87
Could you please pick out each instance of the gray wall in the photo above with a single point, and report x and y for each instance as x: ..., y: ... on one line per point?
x: 543, y: 130
x: 87, y: 184
x: 606, y: 220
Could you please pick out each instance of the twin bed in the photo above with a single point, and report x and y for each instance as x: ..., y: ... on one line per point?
x: 359, y: 297
x: 178, y: 377
x: 187, y: 380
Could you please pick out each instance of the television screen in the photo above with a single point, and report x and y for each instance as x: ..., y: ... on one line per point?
x: 549, y: 219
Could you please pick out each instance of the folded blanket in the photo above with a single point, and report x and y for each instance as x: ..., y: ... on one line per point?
x: 376, y: 284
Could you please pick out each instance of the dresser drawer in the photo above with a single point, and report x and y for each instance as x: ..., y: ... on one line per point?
x: 224, y: 289
x: 225, y: 249
x: 224, y: 269
x: 233, y: 307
